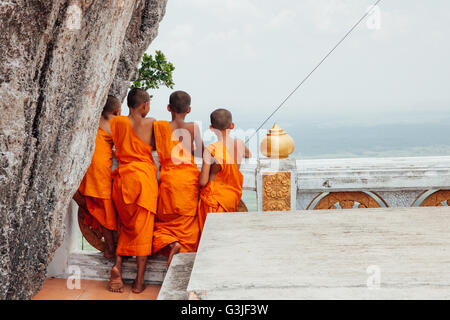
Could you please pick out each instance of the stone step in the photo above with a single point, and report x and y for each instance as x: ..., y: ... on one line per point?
x: 176, y: 282
x: 93, y: 266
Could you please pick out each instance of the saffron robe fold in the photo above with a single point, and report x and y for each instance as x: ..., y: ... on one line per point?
x: 176, y: 218
x: 224, y: 192
x: 135, y: 190
x: 96, y: 185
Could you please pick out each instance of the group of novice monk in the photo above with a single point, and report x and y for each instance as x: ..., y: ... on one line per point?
x: 150, y: 217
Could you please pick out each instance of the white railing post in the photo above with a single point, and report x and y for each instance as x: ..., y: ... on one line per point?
x: 276, y: 184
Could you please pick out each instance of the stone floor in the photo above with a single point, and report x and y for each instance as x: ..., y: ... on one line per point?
x: 56, y: 289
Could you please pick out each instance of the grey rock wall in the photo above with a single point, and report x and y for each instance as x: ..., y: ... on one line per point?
x: 58, y: 60
x: 142, y: 30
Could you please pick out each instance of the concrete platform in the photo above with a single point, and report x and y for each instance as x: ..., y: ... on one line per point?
x: 332, y: 254
x: 177, y: 278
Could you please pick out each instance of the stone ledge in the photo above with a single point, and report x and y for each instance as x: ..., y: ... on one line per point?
x: 177, y: 279
x: 326, y: 254
x: 94, y: 266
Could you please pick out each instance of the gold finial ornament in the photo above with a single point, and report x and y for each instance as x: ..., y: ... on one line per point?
x: 278, y: 144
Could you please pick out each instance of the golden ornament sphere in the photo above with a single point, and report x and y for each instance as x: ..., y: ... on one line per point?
x: 277, y: 144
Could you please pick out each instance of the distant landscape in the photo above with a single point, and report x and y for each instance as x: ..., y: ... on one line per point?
x: 399, y: 140
x: 415, y: 136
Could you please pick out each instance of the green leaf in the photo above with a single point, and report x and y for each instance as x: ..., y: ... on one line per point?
x: 154, y: 72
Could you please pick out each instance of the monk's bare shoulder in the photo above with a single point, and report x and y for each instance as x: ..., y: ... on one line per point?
x: 105, y: 126
x: 191, y: 125
x: 149, y: 122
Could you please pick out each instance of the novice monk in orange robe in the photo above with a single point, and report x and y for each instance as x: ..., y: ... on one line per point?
x: 135, y: 188
x: 220, y: 178
x: 94, y: 193
x: 176, y: 224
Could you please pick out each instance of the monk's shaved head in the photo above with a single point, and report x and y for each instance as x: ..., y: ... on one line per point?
x: 180, y: 102
x: 221, y: 119
x: 137, y: 97
x: 112, y: 104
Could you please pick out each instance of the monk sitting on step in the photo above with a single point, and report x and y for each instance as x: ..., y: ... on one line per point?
x: 135, y: 188
x: 94, y: 193
x: 220, y: 178
x: 176, y: 224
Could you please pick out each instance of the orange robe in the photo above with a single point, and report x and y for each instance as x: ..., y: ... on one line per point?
x: 135, y: 190
x: 176, y: 219
x: 96, y: 185
x: 225, y: 191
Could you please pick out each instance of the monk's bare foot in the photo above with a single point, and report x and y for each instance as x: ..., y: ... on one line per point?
x: 138, y: 286
x: 174, y: 249
x: 115, y: 282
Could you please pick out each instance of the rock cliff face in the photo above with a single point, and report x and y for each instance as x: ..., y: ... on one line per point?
x: 58, y: 60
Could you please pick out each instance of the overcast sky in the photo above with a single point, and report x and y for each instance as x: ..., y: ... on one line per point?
x: 247, y: 55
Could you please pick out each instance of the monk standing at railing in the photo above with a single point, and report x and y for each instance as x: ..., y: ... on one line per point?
x: 220, y: 178
x: 135, y: 188
x: 176, y: 225
x: 94, y: 193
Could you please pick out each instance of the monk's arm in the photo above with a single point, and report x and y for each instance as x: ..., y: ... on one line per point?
x: 208, y: 160
x: 199, y: 145
x: 203, y: 178
x: 152, y: 139
x: 80, y: 200
x: 247, y: 153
